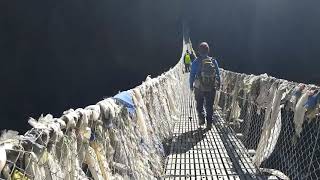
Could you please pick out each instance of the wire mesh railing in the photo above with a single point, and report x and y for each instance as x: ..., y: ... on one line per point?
x: 276, y: 120
x: 102, y: 141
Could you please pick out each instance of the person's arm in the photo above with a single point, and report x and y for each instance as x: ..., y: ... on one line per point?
x: 192, y: 57
x: 217, y: 72
x: 193, y: 73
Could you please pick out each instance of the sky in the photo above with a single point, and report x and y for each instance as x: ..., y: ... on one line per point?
x: 56, y: 55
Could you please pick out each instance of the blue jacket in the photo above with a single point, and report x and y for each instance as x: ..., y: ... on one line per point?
x: 195, y: 70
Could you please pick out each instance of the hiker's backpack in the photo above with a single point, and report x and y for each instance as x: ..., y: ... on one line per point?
x: 187, y: 59
x: 207, y: 75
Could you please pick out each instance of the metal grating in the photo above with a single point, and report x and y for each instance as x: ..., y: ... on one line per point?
x: 197, y: 153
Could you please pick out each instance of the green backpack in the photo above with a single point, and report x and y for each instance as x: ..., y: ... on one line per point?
x: 207, y: 75
x: 187, y: 59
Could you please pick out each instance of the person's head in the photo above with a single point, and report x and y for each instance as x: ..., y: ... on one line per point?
x: 203, y: 49
x: 187, y: 52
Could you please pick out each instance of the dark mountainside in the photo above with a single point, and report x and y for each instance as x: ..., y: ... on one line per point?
x: 59, y: 54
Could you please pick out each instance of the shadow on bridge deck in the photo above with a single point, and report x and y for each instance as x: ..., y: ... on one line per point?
x: 197, y: 153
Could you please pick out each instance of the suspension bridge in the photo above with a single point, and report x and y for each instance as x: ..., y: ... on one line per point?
x: 265, y: 128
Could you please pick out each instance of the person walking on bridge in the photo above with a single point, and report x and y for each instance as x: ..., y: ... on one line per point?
x: 204, y: 80
x: 187, y: 61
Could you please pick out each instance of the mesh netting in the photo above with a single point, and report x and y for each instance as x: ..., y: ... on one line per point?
x: 277, y: 121
x: 114, y: 139
x: 102, y: 141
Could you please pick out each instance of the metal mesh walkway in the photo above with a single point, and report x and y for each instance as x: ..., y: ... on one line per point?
x: 197, y: 153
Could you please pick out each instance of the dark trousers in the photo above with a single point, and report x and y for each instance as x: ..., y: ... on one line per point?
x: 187, y: 67
x: 205, y: 99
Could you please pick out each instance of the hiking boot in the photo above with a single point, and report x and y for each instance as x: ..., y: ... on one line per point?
x: 209, y: 126
x: 201, y: 121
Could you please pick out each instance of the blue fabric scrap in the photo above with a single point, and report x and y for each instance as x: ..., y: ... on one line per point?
x: 312, y: 101
x: 93, y: 136
x: 297, y: 93
x: 125, y: 98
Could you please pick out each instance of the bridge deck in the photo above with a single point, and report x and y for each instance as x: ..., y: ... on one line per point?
x: 196, y: 153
